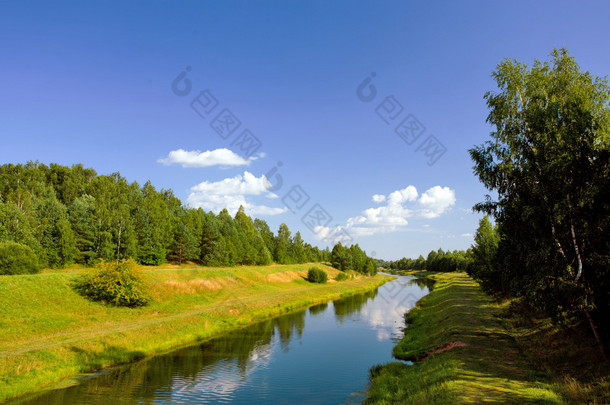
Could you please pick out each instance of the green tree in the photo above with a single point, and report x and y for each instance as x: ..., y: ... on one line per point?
x: 153, y: 225
x: 16, y: 258
x: 548, y: 163
x: 185, y: 244
x: 80, y: 214
x: 282, y: 245
x: 297, y: 249
x: 341, y: 257
x: 247, y: 233
x: 358, y: 258
x: 53, y: 231
x: 370, y: 266
x: 266, y: 233
x: 65, y: 241
x: 233, y: 243
x: 212, y: 245
x: 17, y: 226
x: 70, y: 213
x: 484, y: 250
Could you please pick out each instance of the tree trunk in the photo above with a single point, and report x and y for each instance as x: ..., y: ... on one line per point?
x: 118, y: 249
x: 575, y: 243
x: 99, y: 236
x: 597, y: 339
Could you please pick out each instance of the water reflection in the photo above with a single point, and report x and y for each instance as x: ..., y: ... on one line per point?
x: 350, y: 307
x: 422, y: 283
x: 318, y: 309
x: 276, y: 361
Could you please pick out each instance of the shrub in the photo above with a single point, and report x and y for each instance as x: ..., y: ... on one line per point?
x: 16, y: 258
x: 315, y: 275
x: 118, y: 284
x: 342, y: 276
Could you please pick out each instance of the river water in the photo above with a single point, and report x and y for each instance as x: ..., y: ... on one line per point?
x: 320, y: 355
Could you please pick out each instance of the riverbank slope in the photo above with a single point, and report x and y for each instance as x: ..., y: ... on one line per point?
x: 468, y: 348
x: 48, y: 332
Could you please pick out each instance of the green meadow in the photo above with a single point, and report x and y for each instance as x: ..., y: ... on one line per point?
x: 49, y: 333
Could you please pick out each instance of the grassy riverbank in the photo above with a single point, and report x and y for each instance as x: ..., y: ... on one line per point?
x: 468, y: 348
x: 48, y: 332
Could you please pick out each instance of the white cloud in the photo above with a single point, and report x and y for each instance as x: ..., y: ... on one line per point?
x: 218, y: 157
x: 332, y: 235
x: 401, y: 205
x: 435, y: 201
x: 378, y: 198
x: 231, y: 192
x: 467, y: 235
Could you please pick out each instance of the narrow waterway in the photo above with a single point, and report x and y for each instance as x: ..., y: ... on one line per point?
x: 320, y: 355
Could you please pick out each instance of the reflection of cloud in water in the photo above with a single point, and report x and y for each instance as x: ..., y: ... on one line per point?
x: 386, y: 313
x: 260, y: 357
x: 382, y: 334
x: 383, y: 311
x: 221, y: 379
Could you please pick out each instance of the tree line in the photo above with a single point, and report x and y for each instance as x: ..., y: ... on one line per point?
x: 547, y: 164
x: 62, y: 215
x: 352, y: 258
x: 437, y: 260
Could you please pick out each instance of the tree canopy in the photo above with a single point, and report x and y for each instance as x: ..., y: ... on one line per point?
x: 437, y: 260
x: 547, y: 162
x: 68, y: 215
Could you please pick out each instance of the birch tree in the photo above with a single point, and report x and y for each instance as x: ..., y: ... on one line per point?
x: 547, y: 161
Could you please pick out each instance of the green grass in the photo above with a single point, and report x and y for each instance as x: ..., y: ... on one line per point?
x: 48, y: 332
x: 502, y: 360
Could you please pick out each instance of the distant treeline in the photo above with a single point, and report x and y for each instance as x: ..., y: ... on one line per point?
x: 437, y: 260
x: 62, y: 215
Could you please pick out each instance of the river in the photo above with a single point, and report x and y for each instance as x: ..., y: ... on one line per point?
x: 319, y: 355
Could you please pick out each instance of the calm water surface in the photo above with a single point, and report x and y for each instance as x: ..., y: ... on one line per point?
x: 320, y: 355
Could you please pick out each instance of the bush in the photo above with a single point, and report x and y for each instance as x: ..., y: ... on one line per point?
x: 118, y: 284
x: 315, y: 275
x: 16, y: 258
x: 342, y: 276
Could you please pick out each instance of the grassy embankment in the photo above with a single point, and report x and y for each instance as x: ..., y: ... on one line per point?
x: 48, y: 332
x: 468, y: 348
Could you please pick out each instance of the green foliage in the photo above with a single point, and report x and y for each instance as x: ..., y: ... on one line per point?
x: 282, y: 245
x: 80, y: 214
x: 119, y: 284
x: 341, y: 258
x: 16, y: 258
x: 185, y: 246
x: 297, y: 249
x: 437, y: 260
x: 352, y: 258
x: 342, y: 276
x: 483, y: 268
x: 370, y: 266
x: 316, y: 275
x: 151, y: 256
x: 548, y: 163
x: 358, y: 258
x: 53, y: 231
x: 268, y: 238
x: 71, y: 214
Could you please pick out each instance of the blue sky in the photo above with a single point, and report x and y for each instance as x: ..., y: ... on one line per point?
x: 92, y: 83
